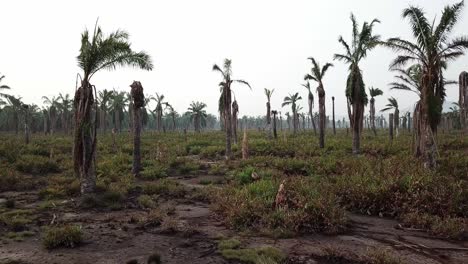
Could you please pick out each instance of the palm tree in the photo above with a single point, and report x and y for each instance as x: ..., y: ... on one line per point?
x: 333, y: 113
x: 432, y: 49
x: 173, y: 114
x: 138, y: 98
x: 52, y: 111
x: 104, y: 99
x: 119, y: 101
x: 225, y: 85
x: 317, y: 75
x: 292, y: 100
x: 159, y: 109
x: 373, y: 92
x: 268, y: 94
x: 64, y: 105
x: 362, y: 42
x: 97, y: 52
x: 311, y: 105
x: 15, y: 106
x: 393, y: 104
x: 197, y: 114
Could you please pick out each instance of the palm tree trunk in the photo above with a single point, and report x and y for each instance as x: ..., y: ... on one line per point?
x: 136, y: 141
x: 228, y: 123
x: 426, y: 141
x: 311, y: 115
x: 234, y: 127
x: 390, y: 130
x: 275, y: 134
x: 85, y: 138
x: 268, y: 119
x: 321, y: 93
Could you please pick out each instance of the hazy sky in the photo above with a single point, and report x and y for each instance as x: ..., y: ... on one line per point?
x: 268, y: 42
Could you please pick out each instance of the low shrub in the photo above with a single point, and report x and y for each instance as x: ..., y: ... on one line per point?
x: 36, y: 165
x: 67, y: 236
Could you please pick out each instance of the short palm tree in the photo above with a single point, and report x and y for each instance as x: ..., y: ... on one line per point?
x: 97, y: 52
x: 393, y: 104
x: 14, y: 105
x: 118, y: 104
x: 292, y: 100
x: 317, y: 74
x: 268, y: 94
x: 373, y: 92
x: 432, y: 48
x: 197, y: 114
x: 225, y: 102
x: 362, y: 43
x: 310, y: 100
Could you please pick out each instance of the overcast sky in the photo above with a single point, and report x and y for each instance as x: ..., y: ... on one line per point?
x: 268, y: 41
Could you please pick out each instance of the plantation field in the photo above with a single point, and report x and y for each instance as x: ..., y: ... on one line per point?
x: 191, y: 206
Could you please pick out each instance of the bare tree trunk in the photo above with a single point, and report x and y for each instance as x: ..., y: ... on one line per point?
x: 334, y: 127
x: 372, y: 115
x: 136, y: 141
x: 463, y: 100
x: 390, y: 130
x: 311, y: 105
x: 268, y: 119
x: 321, y: 94
x: 275, y: 134
x: 245, y: 146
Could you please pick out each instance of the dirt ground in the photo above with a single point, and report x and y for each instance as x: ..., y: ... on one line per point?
x: 192, y: 232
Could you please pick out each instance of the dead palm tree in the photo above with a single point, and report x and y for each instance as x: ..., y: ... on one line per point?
x: 310, y: 99
x: 138, y: 98
x: 225, y: 85
x: 317, y: 75
x: 362, y: 43
x: 373, y: 92
x: 292, y: 100
x: 268, y: 94
x: 432, y: 49
x: 274, y: 113
x: 463, y: 99
x: 97, y: 52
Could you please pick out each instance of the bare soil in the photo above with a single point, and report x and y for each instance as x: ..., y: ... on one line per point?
x: 191, y: 233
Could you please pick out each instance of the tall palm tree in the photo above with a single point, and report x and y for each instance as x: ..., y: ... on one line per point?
x: 432, y: 48
x: 159, y: 109
x: 97, y: 52
x: 104, y: 99
x: 138, y: 98
x: 268, y: 94
x: 362, y: 43
x: 393, y: 104
x: 225, y: 85
x: 292, y: 100
x: 310, y: 99
x: 373, y: 92
x: 317, y: 75
x: 52, y: 111
x: 197, y: 114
